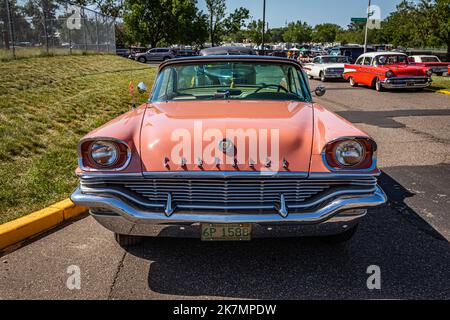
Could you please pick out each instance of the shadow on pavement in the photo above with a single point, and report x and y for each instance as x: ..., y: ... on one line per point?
x: 413, y: 257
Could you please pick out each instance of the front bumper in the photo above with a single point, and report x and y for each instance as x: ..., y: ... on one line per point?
x: 122, y: 217
x: 406, y: 82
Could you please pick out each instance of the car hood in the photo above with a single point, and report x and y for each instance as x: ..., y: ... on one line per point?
x: 410, y: 70
x: 193, y: 130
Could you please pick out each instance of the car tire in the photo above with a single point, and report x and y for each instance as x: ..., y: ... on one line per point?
x: 322, y: 77
x: 352, y: 82
x: 125, y: 240
x: 378, y: 85
x: 440, y: 74
x: 341, y: 237
x: 142, y: 59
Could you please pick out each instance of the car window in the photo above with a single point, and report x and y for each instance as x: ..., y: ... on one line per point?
x: 430, y: 59
x: 316, y: 60
x: 367, y: 61
x: 230, y: 80
x: 359, y: 60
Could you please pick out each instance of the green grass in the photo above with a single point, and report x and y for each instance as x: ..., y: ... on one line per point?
x: 46, y: 106
x: 440, y: 83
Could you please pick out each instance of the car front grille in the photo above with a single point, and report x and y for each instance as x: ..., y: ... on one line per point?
x: 261, y: 193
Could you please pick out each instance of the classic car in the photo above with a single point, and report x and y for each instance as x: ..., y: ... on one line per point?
x: 387, y: 70
x: 431, y: 62
x: 326, y: 67
x: 227, y: 51
x: 228, y: 148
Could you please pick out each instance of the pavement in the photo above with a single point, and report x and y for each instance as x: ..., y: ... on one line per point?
x: 408, y: 238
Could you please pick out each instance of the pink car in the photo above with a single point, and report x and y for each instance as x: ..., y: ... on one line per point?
x: 228, y: 148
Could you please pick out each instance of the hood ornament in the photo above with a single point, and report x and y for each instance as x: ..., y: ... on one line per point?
x: 226, y: 146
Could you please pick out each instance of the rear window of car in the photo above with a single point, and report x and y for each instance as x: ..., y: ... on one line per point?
x: 430, y: 59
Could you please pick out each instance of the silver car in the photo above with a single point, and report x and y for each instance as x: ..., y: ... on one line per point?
x: 155, y: 54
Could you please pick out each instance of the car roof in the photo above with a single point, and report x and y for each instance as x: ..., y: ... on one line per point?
x: 227, y: 49
x: 331, y: 56
x: 424, y: 55
x: 224, y: 58
x: 381, y: 53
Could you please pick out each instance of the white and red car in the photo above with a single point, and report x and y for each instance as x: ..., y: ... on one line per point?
x: 431, y: 62
x: 326, y: 67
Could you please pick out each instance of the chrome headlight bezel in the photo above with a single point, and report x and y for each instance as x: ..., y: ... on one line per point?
x: 429, y: 73
x: 104, y: 150
x: 389, y: 74
x: 120, y: 154
x: 345, y: 150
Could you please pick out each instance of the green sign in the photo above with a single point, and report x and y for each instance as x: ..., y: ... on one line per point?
x: 359, y: 20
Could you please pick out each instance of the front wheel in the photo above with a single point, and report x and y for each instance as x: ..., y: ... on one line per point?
x: 352, y: 82
x: 378, y: 85
x: 125, y: 240
x: 341, y: 237
x: 322, y: 77
x: 142, y: 59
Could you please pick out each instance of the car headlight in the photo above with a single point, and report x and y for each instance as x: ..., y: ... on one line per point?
x: 104, y: 153
x: 429, y: 73
x: 389, y: 74
x: 349, y: 153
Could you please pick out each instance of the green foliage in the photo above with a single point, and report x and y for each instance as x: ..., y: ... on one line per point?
x: 326, y: 33
x: 298, y: 32
x: 164, y: 21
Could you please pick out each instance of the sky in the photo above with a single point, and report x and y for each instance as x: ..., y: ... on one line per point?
x: 311, y: 11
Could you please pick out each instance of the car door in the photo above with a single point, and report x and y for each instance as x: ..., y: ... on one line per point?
x: 151, y: 54
x: 366, y: 72
x: 356, y: 74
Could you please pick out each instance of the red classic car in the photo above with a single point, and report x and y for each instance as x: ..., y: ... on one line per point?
x: 431, y: 62
x: 387, y: 70
x: 228, y: 148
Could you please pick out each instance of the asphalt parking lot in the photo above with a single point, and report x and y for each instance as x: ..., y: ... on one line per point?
x: 408, y: 238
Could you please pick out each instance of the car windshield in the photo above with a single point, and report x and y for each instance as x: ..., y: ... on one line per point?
x: 230, y: 80
x: 430, y: 59
x: 335, y: 59
x: 391, y: 59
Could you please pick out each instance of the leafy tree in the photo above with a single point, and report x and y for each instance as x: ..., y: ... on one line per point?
x: 234, y: 23
x: 254, y: 31
x: 298, y: 32
x: 164, y: 21
x: 216, y: 11
x: 326, y: 33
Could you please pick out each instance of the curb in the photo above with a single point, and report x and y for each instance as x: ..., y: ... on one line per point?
x: 443, y: 91
x: 37, y: 222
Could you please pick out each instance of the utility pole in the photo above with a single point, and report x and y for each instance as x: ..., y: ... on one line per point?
x: 264, y: 26
x: 11, y: 29
x: 367, y: 27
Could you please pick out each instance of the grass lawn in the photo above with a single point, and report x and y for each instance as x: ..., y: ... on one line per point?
x: 46, y: 106
x: 440, y: 83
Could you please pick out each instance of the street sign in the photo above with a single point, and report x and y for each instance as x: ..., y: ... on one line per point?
x: 359, y: 20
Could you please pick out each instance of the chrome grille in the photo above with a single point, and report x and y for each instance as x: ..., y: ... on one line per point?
x: 229, y: 193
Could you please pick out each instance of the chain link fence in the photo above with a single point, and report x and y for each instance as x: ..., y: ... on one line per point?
x: 50, y: 27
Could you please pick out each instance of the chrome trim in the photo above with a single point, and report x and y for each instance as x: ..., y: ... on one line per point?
x: 338, y: 223
x: 349, y: 169
x: 80, y: 158
x: 137, y: 215
x: 168, y: 210
x: 221, y: 174
x: 283, y: 211
x: 390, y: 84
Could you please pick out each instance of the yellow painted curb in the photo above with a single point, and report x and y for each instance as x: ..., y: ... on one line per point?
x: 37, y: 222
x: 443, y: 91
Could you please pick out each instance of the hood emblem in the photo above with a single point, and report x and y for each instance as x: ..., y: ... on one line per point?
x: 226, y: 146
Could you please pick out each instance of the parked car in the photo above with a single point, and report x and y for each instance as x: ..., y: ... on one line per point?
x: 123, y: 51
x: 155, y: 54
x: 350, y: 51
x: 139, y: 176
x: 185, y: 53
x: 228, y: 51
x: 387, y: 70
x: 326, y: 67
x: 431, y: 62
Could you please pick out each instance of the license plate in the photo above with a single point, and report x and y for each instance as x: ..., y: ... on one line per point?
x: 226, y: 231
x: 410, y: 83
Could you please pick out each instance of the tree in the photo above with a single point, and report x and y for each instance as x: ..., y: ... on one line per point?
x: 326, y: 33
x: 164, y: 21
x: 216, y: 10
x: 234, y: 23
x: 254, y: 31
x: 436, y: 23
x: 298, y: 32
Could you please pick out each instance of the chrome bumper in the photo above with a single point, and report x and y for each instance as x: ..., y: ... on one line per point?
x: 334, y: 75
x: 333, y: 217
x: 406, y: 82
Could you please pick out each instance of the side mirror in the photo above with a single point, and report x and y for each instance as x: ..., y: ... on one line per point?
x: 141, y: 87
x: 320, y: 91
